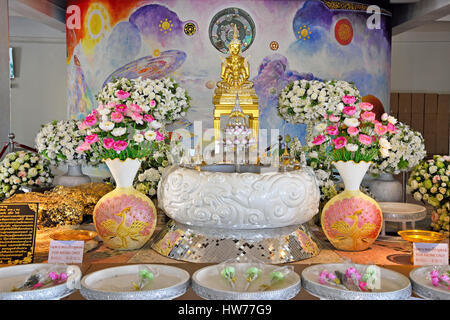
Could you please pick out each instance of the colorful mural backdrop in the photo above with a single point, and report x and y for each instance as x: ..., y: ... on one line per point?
x: 185, y: 39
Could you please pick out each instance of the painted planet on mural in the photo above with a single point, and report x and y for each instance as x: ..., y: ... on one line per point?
x: 378, y: 107
x: 150, y: 67
x: 343, y: 31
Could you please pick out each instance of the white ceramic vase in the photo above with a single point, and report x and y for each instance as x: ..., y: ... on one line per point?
x: 351, y: 220
x: 386, y: 189
x: 125, y: 218
x: 72, y: 178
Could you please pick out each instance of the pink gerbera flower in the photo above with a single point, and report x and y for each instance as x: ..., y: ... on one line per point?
x: 89, y: 121
x: 117, y: 117
x: 108, y: 143
x: 350, y: 110
x: 353, y: 131
x: 318, y: 140
x: 365, y: 139
x: 391, y: 128
x: 348, y: 99
x: 120, y: 145
x: 92, y: 138
x: 148, y: 118
x: 334, y: 118
x: 121, y: 108
x: 135, y: 108
x: 339, y: 142
x: 83, y: 147
x: 366, y: 106
x: 159, y: 136
x: 368, y: 116
x: 123, y: 95
x: 380, y: 129
x: 332, y: 130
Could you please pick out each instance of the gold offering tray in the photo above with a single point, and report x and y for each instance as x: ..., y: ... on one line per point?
x: 74, y: 235
x: 421, y: 236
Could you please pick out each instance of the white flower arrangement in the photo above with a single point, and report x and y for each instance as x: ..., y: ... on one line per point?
x: 429, y: 183
x: 164, y: 99
x: 307, y: 101
x: 57, y: 142
x: 23, y: 168
x: 407, y: 150
x: 153, y: 167
x: 322, y: 168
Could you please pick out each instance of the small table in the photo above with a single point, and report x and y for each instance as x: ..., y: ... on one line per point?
x: 401, y: 212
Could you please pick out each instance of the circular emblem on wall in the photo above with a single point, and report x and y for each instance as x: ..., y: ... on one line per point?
x: 343, y: 31
x: 221, y: 29
x: 274, y: 45
x: 190, y: 29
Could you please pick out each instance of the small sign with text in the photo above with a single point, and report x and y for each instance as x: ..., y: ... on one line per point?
x: 66, y: 252
x: 428, y: 254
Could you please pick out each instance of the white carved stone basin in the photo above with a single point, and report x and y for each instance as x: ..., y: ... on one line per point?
x: 219, y: 197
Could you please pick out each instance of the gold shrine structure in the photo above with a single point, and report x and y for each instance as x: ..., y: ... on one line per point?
x: 235, y: 72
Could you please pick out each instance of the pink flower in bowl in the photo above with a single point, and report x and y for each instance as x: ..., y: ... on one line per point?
x: 349, y: 110
x: 120, y: 145
x: 339, y: 142
x: 353, y: 131
x: 123, y: 95
x: 348, y: 99
x: 366, y: 106
x: 108, y: 143
x: 365, y: 139
x: 332, y: 130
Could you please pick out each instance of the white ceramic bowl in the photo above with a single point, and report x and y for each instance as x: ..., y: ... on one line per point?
x: 115, y: 283
x: 422, y: 286
x: 208, y: 284
x: 394, y: 286
x: 14, y: 276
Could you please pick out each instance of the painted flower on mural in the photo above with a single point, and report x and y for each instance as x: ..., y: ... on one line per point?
x: 57, y: 142
x: 163, y: 99
x: 129, y: 121
x: 351, y: 133
x: 308, y: 101
x: 23, y: 168
x: 407, y: 149
x: 429, y: 183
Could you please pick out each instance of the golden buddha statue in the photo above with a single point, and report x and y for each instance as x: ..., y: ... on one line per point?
x: 235, y: 72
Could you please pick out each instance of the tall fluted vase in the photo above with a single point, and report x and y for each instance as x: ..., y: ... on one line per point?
x: 125, y: 218
x: 352, y: 220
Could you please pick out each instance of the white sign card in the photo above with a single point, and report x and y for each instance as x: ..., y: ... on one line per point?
x: 428, y: 254
x: 66, y: 252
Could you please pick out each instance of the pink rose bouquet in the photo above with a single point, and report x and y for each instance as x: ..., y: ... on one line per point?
x: 121, y: 128
x: 353, y: 133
